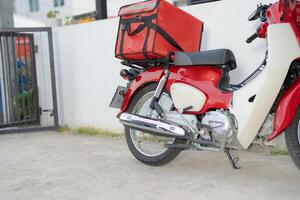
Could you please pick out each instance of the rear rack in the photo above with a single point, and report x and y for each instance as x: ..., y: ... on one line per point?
x: 142, y: 64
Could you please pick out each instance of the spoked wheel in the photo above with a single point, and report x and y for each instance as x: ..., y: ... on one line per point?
x: 148, y: 148
x: 292, y: 138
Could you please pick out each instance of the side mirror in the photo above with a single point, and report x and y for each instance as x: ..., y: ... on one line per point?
x: 259, y: 13
x: 254, y: 16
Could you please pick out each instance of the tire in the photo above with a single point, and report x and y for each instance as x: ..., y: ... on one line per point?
x: 153, y: 160
x: 292, y: 138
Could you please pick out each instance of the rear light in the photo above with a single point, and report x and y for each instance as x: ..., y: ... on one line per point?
x: 130, y: 74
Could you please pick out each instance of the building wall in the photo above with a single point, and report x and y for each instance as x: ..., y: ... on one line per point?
x: 79, y: 6
x: 6, y: 17
x: 22, y: 21
x: 88, y: 73
x: 71, y: 7
x: 22, y: 8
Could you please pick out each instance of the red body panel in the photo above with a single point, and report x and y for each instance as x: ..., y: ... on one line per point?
x: 292, y: 16
x: 290, y: 101
x: 203, y: 78
x: 206, y: 80
x: 286, y: 109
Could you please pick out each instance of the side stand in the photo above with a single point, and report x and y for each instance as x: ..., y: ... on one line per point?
x: 233, y: 160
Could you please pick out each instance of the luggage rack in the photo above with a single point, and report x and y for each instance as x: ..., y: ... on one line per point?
x: 145, y: 64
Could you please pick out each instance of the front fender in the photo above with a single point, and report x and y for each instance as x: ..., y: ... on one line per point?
x: 286, y: 109
x: 151, y: 75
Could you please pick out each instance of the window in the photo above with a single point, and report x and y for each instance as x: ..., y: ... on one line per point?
x: 14, y: 8
x: 58, y: 3
x: 193, y: 2
x: 34, y: 5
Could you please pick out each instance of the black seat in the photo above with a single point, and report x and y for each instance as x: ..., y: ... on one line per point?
x: 220, y: 57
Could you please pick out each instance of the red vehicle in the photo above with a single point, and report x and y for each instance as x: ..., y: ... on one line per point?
x: 186, y: 101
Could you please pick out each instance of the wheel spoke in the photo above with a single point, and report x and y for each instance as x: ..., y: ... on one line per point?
x: 148, y: 144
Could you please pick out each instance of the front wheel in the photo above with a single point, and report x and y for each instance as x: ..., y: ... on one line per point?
x: 292, y: 138
x: 148, y: 148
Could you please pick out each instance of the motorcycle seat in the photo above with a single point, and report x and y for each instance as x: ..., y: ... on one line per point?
x: 223, y: 58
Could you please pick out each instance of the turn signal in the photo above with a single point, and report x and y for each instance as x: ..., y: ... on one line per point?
x: 124, y: 73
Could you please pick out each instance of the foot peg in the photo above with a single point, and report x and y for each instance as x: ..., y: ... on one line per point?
x: 233, y: 160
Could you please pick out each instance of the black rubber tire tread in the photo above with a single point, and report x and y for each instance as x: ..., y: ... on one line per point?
x: 291, y: 138
x: 159, y: 160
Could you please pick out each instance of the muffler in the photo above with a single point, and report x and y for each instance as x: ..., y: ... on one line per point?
x: 152, y: 126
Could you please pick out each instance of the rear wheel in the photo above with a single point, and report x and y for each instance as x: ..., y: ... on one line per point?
x: 148, y: 148
x: 292, y: 138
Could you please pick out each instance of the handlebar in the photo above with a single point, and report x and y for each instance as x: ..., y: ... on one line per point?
x: 252, y: 37
x: 259, y: 13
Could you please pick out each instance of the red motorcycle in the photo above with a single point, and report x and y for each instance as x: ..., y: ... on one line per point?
x: 185, y: 101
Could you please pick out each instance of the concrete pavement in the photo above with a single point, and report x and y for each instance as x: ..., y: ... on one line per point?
x: 49, y: 165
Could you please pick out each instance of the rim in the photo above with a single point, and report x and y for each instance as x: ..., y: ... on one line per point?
x: 298, y: 131
x: 147, y: 144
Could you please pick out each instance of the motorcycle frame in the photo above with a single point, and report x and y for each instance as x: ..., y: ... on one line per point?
x: 283, y: 48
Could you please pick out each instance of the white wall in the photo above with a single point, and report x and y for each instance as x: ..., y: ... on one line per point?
x: 22, y: 21
x: 227, y: 26
x: 80, y: 6
x: 88, y: 73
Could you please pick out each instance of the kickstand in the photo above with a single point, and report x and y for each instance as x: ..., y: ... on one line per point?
x: 233, y: 161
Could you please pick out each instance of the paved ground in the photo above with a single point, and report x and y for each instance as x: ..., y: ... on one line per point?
x: 55, y: 166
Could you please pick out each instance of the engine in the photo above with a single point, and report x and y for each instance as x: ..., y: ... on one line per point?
x: 223, y: 124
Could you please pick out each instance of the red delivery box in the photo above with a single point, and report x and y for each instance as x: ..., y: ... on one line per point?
x: 152, y: 29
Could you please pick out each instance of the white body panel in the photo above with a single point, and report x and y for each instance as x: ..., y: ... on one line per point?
x: 282, y: 50
x: 184, y: 95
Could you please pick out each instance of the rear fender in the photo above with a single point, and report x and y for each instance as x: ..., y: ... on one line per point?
x: 286, y: 109
x: 152, y: 75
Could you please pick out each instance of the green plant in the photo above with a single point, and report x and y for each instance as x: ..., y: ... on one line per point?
x: 52, y: 14
x: 64, y: 129
x: 279, y: 151
x: 97, y: 132
x: 23, y: 105
x: 68, y: 21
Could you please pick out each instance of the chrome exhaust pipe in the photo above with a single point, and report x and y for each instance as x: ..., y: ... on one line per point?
x: 152, y: 126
